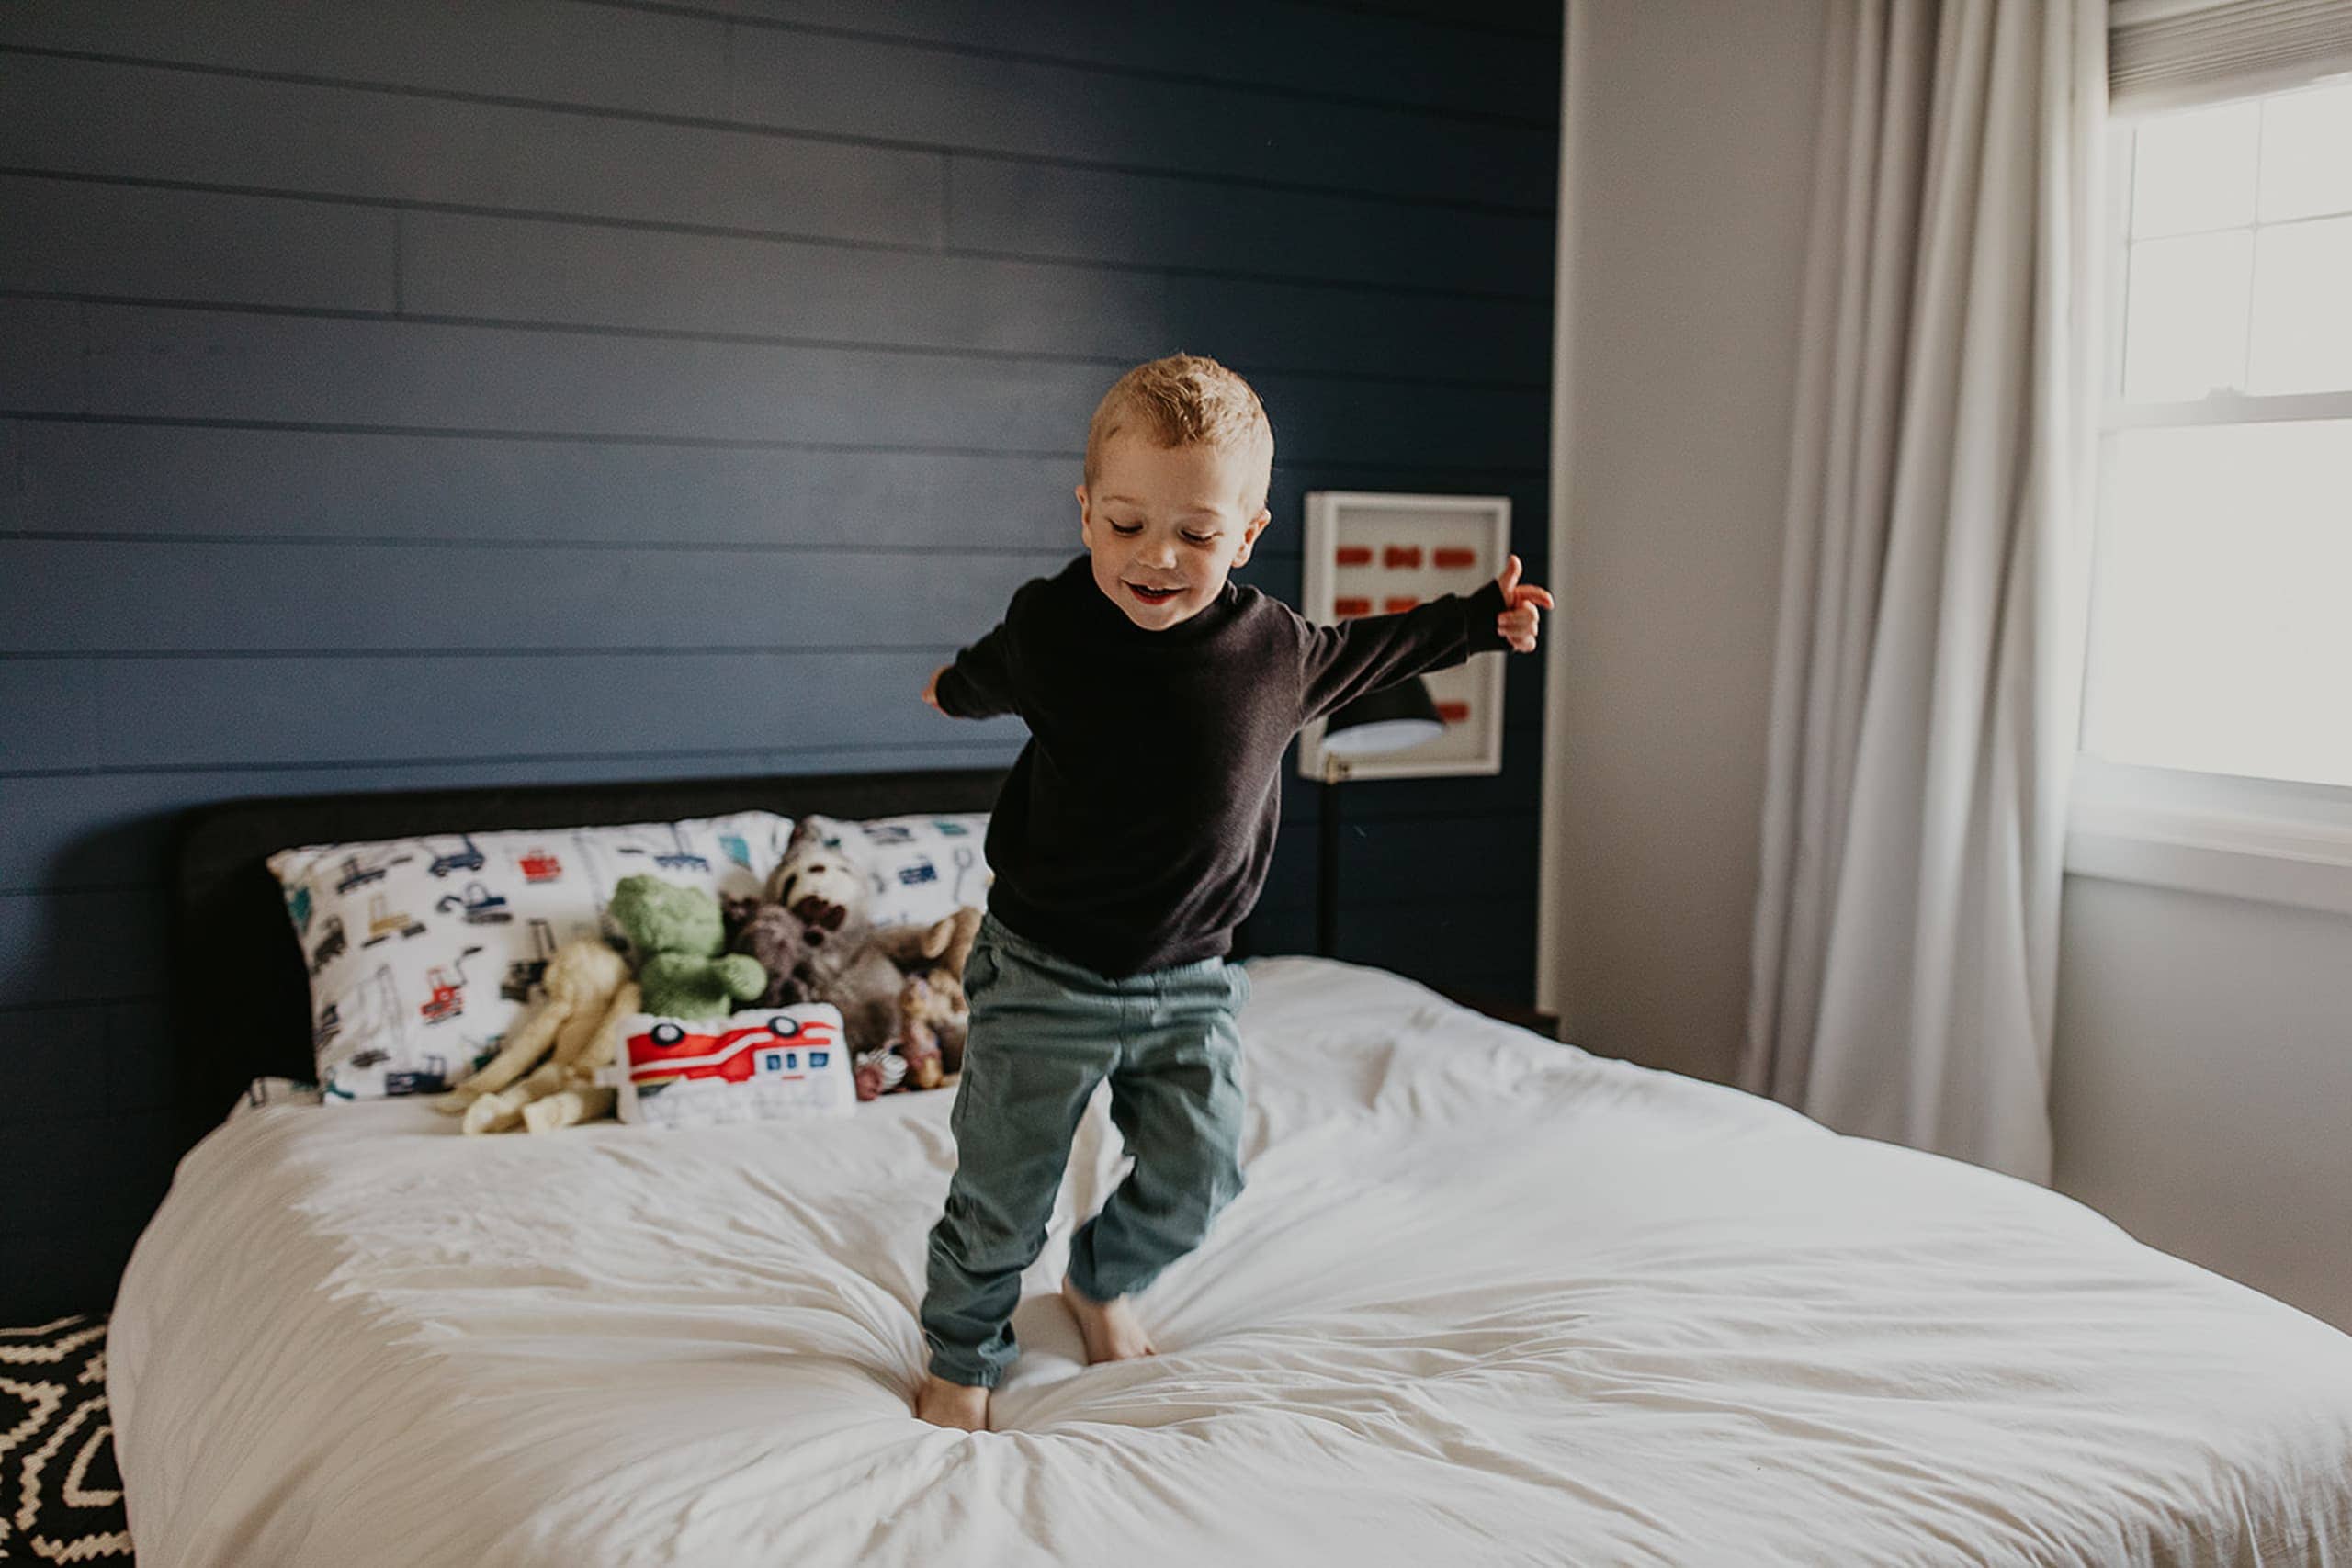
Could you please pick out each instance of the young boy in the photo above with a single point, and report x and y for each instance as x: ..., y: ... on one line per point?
x: 1132, y: 836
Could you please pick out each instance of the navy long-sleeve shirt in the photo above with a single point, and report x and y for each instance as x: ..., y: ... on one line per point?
x: 1135, y: 830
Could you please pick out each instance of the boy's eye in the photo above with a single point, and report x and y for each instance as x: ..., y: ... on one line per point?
x: 1126, y: 530
x: 1201, y: 538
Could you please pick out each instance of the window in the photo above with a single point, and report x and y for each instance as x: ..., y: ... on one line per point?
x: 2221, y: 636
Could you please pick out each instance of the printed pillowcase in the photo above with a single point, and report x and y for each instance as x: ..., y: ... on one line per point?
x: 919, y: 870
x: 423, y: 951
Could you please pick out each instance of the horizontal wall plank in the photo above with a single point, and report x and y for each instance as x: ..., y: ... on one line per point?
x: 1354, y: 52
x: 74, y: 1263
x: 86, y: 1060
x: 40, y: 354
x: 72, y: 236
x: 137, y: 478
x: 1409, y: 860
x: 58, y: 596
x: 625, y: 60
x: 133, y: 122
x: 152, y: 362
x: 819, y: 83
x: 149, y: 711
x: 91, y: 118
x: 1036, y: 210
x: 55, y: 1169
x: 997, y: 104
x: 200, y: 364
x: 145, y: 712
x: 113, y: 480
x: 108, y: 829
x: 81, y: 947
x: 526, y: 270
x: 1437, y: 943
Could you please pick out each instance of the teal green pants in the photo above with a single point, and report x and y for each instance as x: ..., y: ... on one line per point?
x: 1043, y: 1033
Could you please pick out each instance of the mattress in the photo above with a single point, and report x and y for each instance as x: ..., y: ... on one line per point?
x: 1485, y: 1299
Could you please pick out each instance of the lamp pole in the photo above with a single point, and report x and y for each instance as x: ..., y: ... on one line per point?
x: 1327, y: 860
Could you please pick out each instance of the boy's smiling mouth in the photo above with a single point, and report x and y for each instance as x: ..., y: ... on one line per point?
x: 1149, y: 595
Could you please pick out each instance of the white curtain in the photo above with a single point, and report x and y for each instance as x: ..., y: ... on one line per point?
x: 1927, y: 676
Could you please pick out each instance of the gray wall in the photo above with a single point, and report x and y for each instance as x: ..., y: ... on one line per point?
x: 1689, y: 157
x: 395, y: 396
x: 2203, y: 1065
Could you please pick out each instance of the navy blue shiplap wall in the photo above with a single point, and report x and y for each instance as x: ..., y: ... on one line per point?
x: 398, y: 396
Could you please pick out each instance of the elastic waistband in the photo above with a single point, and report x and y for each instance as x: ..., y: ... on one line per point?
x: 998, y: 934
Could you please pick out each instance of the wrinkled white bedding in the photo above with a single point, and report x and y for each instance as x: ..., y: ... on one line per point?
x: 1486, y: 1300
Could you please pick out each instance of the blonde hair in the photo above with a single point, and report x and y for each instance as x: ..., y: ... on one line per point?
x: 1183, y: 400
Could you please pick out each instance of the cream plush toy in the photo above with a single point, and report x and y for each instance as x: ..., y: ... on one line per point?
x: 577, y: 1030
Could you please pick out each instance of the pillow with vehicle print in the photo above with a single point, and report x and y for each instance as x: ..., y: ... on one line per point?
x: 423, y: 951
x: 919, y: 870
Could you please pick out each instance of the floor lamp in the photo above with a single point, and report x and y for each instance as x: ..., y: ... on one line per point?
x: 1390, y: 719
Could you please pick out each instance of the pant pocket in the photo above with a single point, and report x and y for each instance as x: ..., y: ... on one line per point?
x: 980, y: 968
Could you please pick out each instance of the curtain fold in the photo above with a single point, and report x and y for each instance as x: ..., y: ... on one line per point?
x: 1927, y: 672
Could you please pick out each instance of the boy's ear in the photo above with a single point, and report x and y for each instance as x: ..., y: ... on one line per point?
x: 1084, y: 529
x: 1249, y: 536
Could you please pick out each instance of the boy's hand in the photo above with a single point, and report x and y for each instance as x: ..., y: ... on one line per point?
x: 1517, y: 621
x: 931, y: 689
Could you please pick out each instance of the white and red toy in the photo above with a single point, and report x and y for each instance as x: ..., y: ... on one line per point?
x: 773, y: 1064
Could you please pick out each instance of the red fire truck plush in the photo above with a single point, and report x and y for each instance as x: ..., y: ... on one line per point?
x: 770, y: 1064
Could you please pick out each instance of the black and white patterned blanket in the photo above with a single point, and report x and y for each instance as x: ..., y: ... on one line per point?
x: 60, y: 1496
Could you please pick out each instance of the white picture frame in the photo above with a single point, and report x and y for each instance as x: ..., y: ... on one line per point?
x: 1462, y: 543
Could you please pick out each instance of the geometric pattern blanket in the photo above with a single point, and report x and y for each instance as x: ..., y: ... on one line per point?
x: 60, y: 1496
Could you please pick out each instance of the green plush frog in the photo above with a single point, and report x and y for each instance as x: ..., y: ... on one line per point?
x: 678, y: 936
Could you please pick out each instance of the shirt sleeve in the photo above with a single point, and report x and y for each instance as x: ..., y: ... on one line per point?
x: 1340, y: 663
x: 979, y: 684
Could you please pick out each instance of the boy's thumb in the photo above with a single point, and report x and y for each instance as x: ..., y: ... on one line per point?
x: 1509, y: 578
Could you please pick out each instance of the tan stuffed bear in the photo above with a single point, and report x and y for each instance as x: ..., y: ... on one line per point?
x: 577, y: 1030
x: 932, y: 1013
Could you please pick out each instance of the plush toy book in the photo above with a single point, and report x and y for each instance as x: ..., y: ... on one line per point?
x: 772, y: 1063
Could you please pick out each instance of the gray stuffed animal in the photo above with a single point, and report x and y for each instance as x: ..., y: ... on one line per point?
x: 848, y: 965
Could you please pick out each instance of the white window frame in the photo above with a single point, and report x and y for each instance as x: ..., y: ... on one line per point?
x: 2267, y: 840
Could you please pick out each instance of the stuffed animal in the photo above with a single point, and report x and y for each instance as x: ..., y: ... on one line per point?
x: 933, y: 1016
x: 805, y: 961
x: 818, y: 880
x: 680, y: 938
x: 576, y: 1029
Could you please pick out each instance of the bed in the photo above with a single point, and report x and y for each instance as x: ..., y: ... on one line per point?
x: 1485, y: 1299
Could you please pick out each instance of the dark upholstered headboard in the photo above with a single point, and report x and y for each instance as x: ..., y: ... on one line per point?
x: 240, y: 993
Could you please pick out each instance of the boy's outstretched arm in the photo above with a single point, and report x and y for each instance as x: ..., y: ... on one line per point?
x: 978, y: 684
x: 1340, y: 663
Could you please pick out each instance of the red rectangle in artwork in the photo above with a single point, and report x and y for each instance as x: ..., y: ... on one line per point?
x: 1405, y: 555
x: 1455, y: 555
x: 1355, y: 555
x: 1396, y: 602
x: 1345, y: 607
x: 1454, y: 712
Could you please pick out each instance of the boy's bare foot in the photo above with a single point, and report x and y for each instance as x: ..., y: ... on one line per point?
x: 944, y: 1404
x: 1109, y: 1328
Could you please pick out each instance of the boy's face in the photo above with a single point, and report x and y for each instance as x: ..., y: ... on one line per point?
x: 1166, y: 523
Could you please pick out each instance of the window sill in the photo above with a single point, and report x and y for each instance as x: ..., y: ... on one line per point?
x: 2263, y: 840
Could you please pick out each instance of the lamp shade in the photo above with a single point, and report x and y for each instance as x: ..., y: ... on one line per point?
x: 1389, y: 720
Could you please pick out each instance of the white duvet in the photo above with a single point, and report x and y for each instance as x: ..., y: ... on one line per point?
x: 1486, y: 1300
